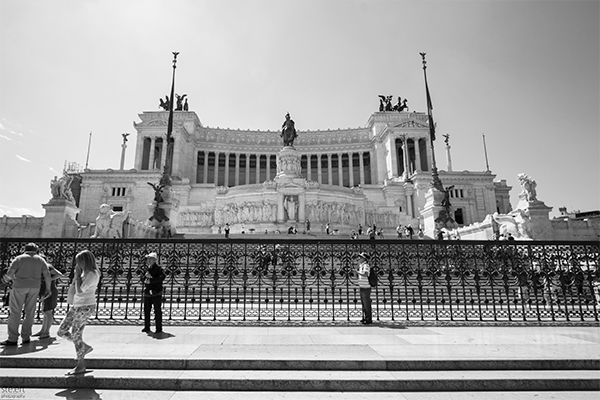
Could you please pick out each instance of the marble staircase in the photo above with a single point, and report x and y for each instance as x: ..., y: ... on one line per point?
x: 350, y: 375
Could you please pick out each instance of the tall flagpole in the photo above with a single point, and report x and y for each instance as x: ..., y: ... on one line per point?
x: 87, y: 158
x: 166, y: 177
x: 487, y: 165
x: 435, y: 178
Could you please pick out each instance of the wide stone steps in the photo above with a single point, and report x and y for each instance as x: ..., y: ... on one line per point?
x: 307, y: 375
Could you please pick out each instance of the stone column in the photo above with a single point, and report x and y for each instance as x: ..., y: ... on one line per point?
x: 226, y: 169
x: 393, y: 157
x: 247, y: 171
x: 257, y: 175
x: 237, y: 169
x: 151, y: 156
x: 406, y: 157
x: 205, y: 172
x: 340, y: 171
x: 268, y: 167
x: 319, y: 172
x: 308, y: 171
x: 216, y: 176
x: 417, y: 155
x: 351, y: 165
x: 361, y: 166
x: 329, y: 170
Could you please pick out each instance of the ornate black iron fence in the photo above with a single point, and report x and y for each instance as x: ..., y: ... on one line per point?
x: 300, y: 280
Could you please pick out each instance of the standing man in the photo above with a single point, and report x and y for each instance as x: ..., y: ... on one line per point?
x: 365, y: 288
x: 307, y: 227
x: 26, y: 271
x: 153, y: 294
x: 227, y: 231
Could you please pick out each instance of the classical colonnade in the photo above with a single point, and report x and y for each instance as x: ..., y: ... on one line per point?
x: 234, y: 169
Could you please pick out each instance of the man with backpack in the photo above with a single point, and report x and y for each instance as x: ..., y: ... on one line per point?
x: 365, y: 288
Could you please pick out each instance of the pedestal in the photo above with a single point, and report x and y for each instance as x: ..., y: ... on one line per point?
x: 59, y: 221
x: 290, y: 186
x: 539, y: 214
x: 435, y: 216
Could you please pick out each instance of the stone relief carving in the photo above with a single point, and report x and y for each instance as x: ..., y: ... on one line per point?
x: 233, y: 213
x: 334, y: 212
x: 222, y: 189
x: 270, y: 184
x: 289, y: 164
x: 411, y: 124
x: 311, y: 184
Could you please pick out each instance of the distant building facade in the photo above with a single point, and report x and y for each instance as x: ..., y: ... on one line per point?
x: 375, y: 175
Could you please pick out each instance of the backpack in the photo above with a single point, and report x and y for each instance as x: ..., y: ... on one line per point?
x: 372, y: 277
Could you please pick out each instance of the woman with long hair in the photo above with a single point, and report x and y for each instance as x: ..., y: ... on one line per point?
x: 82, y: 297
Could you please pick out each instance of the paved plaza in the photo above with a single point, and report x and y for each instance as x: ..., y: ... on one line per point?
x: 352, y: 352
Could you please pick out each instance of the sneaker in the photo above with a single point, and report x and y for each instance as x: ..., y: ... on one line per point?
x: 8, y: 343
x: 26, y: 341
x: 146, y: 330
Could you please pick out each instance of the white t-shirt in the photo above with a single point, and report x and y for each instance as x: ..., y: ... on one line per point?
x: 87, y: 296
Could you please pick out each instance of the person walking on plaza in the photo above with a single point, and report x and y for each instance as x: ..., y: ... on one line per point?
x: 227, y: 231
x: 26, y: 273
x: 50, y: 303
x: 410, y: 231
x: 153, y: 294
x: 82, y: 297
x: 365, y: 288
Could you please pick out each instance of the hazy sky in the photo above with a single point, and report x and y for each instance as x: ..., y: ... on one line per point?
x: 524, y: 73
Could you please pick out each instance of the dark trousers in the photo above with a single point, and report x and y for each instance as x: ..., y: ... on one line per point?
x: 149, y: 302
x: 365, y: 300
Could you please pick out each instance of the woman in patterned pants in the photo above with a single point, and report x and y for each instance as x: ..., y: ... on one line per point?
x: 82, y: 296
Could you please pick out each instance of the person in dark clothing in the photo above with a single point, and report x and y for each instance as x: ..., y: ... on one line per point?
x: 153, y: 294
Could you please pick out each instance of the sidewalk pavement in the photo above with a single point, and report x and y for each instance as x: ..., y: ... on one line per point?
x: 328, y: 343
x: 340, y: 347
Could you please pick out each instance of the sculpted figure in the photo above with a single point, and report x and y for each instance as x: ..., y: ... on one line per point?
x: 288, y: 133
x: 164, y: 104
x: 528, y: 186
x: 180, y: 102
x: 446, y: 201
x: 61, y: 188
x: 109, y: 224
x: 55, y: 188
x: 290, y: 206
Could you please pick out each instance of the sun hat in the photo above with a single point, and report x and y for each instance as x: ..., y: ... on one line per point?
x: 153, y: 255
x: 363, y: 255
